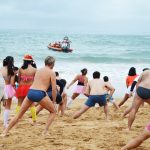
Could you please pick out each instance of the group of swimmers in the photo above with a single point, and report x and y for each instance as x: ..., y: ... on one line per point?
x: 45, y: 90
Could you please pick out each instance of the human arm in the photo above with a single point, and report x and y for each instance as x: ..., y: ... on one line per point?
x: 12, y: 80
x: 54, y: 88
x: 127, y: 83
x: 111, y: 89
x: 73, y: 81
x: 87, y: 90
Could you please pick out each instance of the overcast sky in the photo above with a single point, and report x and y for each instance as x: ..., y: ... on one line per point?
x: 77, y: 16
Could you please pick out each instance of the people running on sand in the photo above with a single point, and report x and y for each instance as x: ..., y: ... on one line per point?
x: 129, y: 80
x: 26, y: 77
x: 9, y: 90
x: 80, y: 87
x: 44, y: 77
x: 112, y: 100
x: 142, y: 95
x: 96, y: 92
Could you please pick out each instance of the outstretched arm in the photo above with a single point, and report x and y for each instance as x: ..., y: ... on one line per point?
x: 73, y: 81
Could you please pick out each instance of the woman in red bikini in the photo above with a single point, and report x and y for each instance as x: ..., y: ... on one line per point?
x: 26, y: 77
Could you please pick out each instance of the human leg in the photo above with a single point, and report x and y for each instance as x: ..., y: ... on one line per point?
x: 7, y: 111
x: 124, y: 100
x: 25, y: 105
x: 73, y: 97
x: 127, y: 111
x: 20, y: 100
x: 39, y: 108
x: 115, y: 105
x: 33, y: 112
x: 106, y: 111
x: 81, y: 111
x: 137, y: 141
x: 48, y: 105
x: 135, y: 106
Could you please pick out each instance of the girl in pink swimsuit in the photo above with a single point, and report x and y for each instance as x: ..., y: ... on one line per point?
x: 80, y: 87
x: 8, y: 74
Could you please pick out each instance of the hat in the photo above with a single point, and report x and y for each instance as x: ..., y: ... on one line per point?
x: 27, y: 57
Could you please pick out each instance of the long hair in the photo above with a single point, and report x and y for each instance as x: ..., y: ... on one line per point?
x: 9, y: 62
x: 26, y: 63
x: 132, y: 71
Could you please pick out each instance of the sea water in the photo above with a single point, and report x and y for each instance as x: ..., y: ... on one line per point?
x: 111, y: 55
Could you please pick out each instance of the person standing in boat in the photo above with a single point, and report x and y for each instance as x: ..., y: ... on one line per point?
x: 65, y: 44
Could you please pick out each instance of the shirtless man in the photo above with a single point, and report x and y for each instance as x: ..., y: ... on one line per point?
x: 96, y: 90
x: 142, y: 95
x: 37, y: 93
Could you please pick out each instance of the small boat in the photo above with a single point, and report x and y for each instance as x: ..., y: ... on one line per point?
x: 59, y: 49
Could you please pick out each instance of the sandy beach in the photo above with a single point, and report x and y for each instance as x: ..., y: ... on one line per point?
x: 90, y: 132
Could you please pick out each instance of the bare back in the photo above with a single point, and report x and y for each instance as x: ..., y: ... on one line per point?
x: 7, y: 78
x: 43, y: 79
x: 96, y: 87
x: 144, y: 79
x: 26, y: 76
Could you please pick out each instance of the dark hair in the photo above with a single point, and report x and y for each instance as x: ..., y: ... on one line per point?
x: 106, y: 79
x: 132, y: 71
x: 57, y: 74
x: 26, y: 63
x: 9, y: 62
x: 146, y: 69
x: 16, y: 68
x: 96, y: 75
x: 63, y: 81
x: 84, y: 71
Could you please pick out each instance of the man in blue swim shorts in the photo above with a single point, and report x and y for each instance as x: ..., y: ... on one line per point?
x: 96, y: 90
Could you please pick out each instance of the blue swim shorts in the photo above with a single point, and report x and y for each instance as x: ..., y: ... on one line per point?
x: 93, y: 99
x: 36, y: 95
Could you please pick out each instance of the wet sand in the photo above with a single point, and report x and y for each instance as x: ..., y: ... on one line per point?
x: 90, y: 132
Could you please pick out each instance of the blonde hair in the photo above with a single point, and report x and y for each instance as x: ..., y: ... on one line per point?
x: 49, y: 60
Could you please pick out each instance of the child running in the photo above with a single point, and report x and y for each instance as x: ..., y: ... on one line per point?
x: 44, y: 77
x: 96, y: 91
x: 106, y: 79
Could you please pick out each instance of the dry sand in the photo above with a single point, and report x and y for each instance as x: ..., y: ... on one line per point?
x: 90, y: 132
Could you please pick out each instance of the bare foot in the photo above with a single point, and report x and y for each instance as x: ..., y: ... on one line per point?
x: 45, y: 134
x: 33, y: 123
x: 4, y: 135
x: 1, y: 145
x: 127, y: 130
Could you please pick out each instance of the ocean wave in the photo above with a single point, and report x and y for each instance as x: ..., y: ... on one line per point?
x: 103, y: 59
